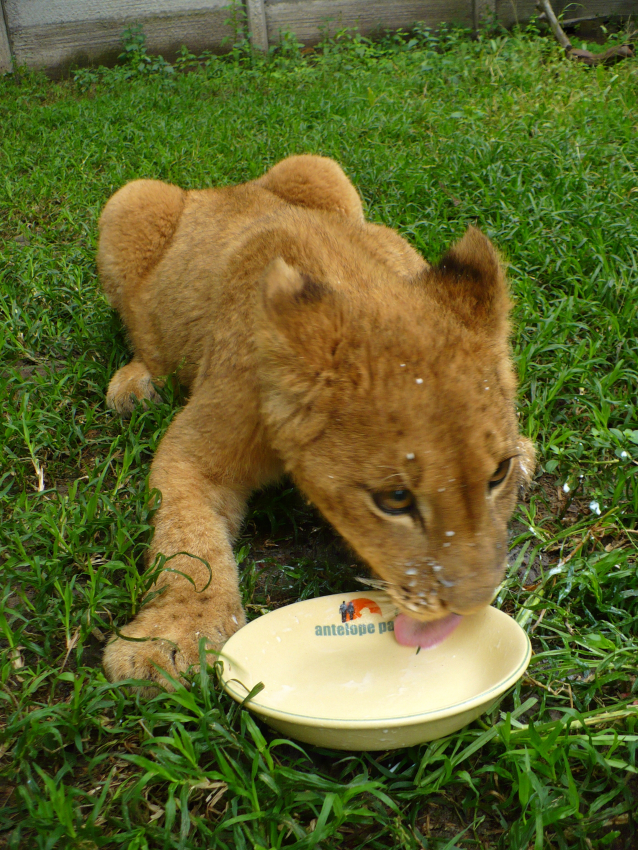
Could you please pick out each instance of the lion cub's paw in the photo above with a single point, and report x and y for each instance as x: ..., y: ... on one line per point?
x: 131, y: 385
x: 166, y: 638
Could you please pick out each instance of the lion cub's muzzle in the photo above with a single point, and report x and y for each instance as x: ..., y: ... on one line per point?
x: 439, y: 587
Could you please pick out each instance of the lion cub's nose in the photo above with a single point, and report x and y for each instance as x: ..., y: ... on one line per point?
x: 469, y: 572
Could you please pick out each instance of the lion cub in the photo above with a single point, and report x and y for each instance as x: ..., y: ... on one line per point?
x: 315, y: 343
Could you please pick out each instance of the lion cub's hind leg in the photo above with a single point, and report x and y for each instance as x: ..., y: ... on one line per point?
x: 129, y: 386
x: 136, y: 225
x: 313, y: 181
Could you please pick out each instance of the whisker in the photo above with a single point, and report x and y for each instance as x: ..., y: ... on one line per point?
x: 393, y: 475
x: 379, y: 583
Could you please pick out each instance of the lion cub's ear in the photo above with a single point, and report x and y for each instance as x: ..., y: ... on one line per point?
x: 470, y: 280
x: 285, y: 290
x: 300, y: 310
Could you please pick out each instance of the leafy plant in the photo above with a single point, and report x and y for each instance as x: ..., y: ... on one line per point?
x: 136, y: 57
x: 241, y: 49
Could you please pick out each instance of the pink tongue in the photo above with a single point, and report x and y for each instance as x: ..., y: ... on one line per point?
x: 409, y: 632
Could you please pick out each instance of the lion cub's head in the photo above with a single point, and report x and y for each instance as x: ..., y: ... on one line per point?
x: 391, y: 401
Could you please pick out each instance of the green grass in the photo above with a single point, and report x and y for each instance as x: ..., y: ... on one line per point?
x: 437, y: 132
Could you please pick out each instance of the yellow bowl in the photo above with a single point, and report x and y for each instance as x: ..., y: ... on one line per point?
x: 349, y: 685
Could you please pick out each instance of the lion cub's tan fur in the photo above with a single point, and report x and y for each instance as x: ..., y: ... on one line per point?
x: 319, y: 344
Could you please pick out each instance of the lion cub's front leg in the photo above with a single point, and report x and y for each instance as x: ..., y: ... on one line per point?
x: 198, y: 588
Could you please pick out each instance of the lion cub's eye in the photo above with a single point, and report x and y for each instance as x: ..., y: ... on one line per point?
x: 500, y: 473
x: 394, y: 501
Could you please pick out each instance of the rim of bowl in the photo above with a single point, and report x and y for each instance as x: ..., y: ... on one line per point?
x: 401, y: 720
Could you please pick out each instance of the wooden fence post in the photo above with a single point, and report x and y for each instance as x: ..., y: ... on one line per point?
x: 6, y: 65
x: 257, y: 24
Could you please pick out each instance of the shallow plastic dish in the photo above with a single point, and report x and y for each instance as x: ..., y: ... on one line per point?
x: 347, y: 684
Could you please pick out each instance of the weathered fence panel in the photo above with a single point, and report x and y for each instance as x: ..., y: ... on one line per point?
x: 5, y: 50
x: 309, y: 19
x: 510, y: 12
x: 57, y: 33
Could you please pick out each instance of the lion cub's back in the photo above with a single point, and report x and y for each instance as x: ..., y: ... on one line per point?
x: 182, y: 266
x: 160, y: 254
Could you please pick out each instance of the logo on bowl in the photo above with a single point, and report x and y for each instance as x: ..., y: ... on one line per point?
x: 353, y: 610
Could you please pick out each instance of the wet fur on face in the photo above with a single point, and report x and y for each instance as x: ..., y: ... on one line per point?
x: 403, y: 383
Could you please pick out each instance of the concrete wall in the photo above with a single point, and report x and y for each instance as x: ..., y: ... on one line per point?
x: 55, y: 34
x: 309, y: 18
